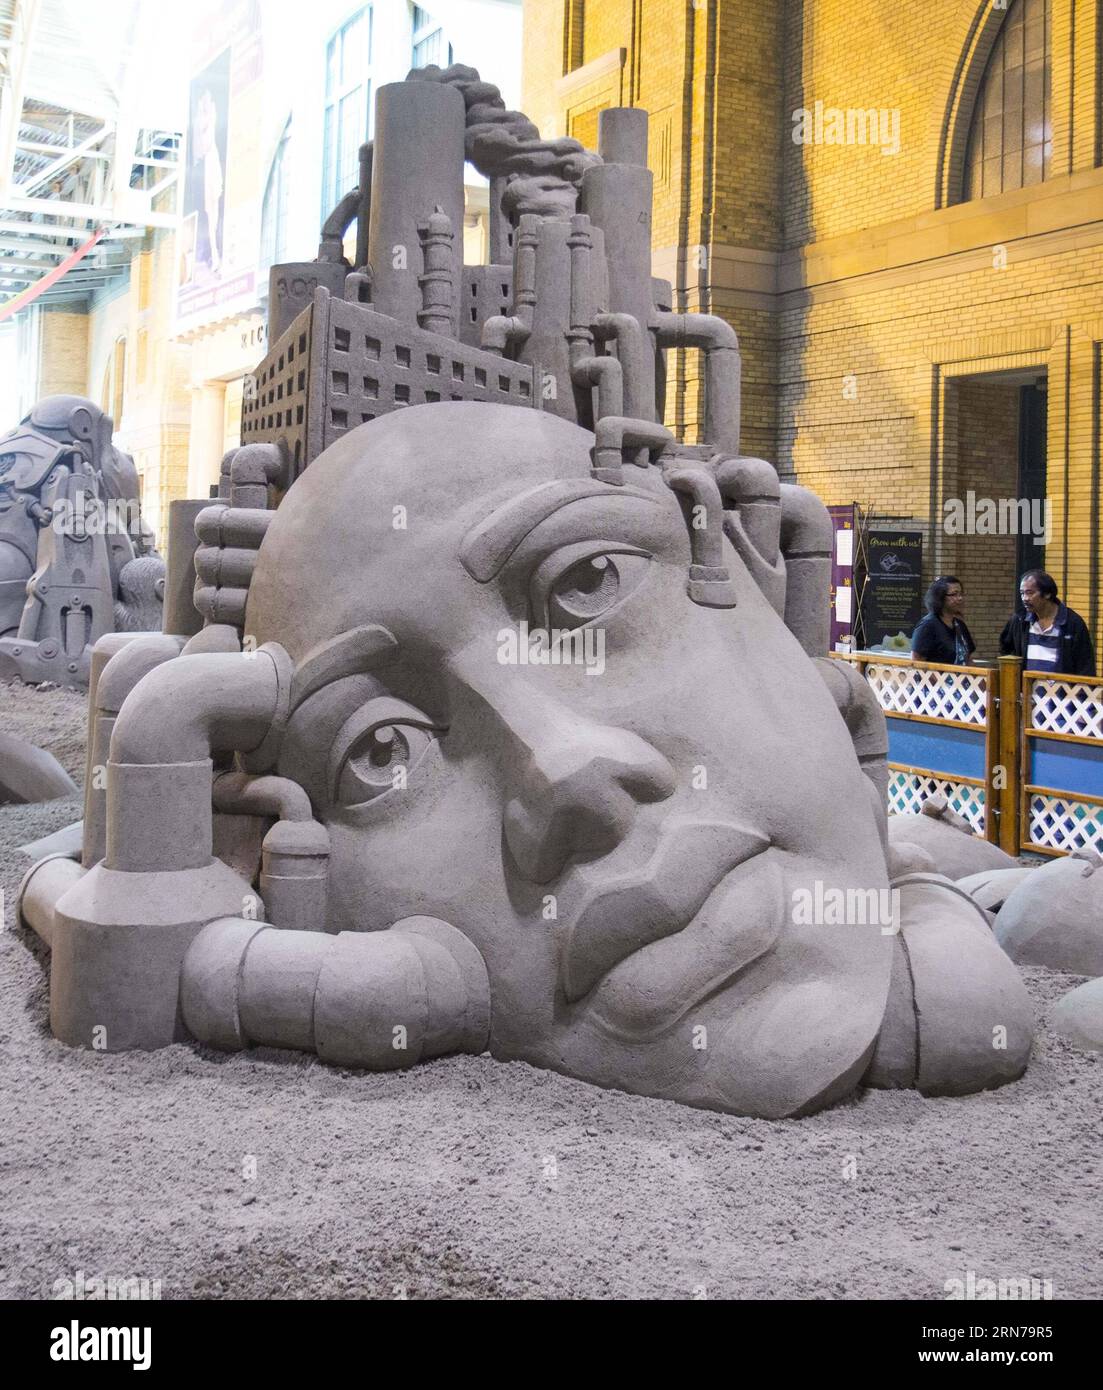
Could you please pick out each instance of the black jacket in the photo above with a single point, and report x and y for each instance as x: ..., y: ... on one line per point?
x: 1077, y: 657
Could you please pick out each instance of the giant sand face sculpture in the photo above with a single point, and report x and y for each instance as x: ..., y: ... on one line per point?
x: 510, y: 723
x: 622, y: 841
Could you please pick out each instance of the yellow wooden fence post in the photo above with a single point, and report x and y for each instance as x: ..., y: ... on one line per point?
x: 1009, y: 746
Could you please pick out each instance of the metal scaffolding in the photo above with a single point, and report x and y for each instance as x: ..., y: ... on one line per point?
x: 92, y: 106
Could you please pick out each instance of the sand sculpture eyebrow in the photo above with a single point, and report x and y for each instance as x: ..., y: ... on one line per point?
x: 348, y: 654
x: 490, y: 543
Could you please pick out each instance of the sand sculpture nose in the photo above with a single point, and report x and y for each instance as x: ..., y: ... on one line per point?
x: 579, y: 793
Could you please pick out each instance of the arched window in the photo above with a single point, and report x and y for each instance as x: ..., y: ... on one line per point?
x: 113, y: 390
x: 347, y: 108
x: 430, y: 45
x: 1011, y: 138
x: 274, y: 209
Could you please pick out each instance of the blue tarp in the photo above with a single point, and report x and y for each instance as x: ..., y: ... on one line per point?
x: 956, y: 752
x: 1065, y: 767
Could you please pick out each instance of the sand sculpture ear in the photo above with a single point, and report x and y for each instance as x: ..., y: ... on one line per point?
x: 865, y: 723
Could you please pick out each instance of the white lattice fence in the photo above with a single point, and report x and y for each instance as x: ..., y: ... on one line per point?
x: 1067, y: 707
x: 1063, y: 823
x: 958, y: 695
x: 909, y: 790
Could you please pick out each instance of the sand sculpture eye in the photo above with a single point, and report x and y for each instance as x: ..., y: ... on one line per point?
x: 589, y: 586
x: 377, y: 749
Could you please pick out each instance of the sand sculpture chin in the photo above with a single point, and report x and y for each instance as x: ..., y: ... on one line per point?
x: 509, y: 728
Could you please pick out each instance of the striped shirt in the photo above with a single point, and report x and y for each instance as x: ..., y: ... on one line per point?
x: 1043, y: 652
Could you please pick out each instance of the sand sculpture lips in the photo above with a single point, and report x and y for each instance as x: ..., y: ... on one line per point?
x: 626, y: 914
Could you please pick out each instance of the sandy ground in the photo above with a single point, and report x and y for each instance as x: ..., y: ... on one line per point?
x: 471, y: 1178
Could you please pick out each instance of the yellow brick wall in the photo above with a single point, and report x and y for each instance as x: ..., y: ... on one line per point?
x: 865, y: 295
x: 710, y: 78
x: 895, y: 283
x: 868, y: 54
x: 63, y: 354
x: 154, y: 422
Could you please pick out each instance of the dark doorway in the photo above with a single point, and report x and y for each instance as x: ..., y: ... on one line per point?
x: 1031, y: 551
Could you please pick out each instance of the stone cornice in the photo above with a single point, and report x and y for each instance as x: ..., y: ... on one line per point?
x: 593, y: 71
x: 1059, y: 216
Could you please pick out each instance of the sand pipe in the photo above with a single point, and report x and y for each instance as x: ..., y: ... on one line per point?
x: 752, y: 522
x: 363, y: 210
x: 224, y: 567
x: 381, y: 999
x: 221, y: 528
x: 116, y: 669
x: 754, y: 488
x: 438, y: 313
x: 215, y: 637
x: 617, y: 198
x: 587, y: 369
x: 180, y: 615
x: 723, y: 370
x: 222, y: 525
x: 159, y: 771
x: 636, y: 357
x: 294, y: 874
x: 545, y: 347
x: 710, y: 582
x: 43, y: 884
x: 501, y: 233
x: 120, y: 932
x: 102, y: 652
x: 224, y: 474
x: 615, y: 433
x: 807, y: 542
x: 622, y: 135
x: 223, y: 606
x: 502, y: 334
x: 253, y: 469
x: 331, y: 248
x: 417, y: 166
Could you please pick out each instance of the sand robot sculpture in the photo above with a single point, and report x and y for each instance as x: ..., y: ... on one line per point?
x: 76, y: 559
x: 505, y: 721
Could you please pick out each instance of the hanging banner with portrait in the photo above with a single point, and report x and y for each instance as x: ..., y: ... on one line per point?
x: 216, y: 270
